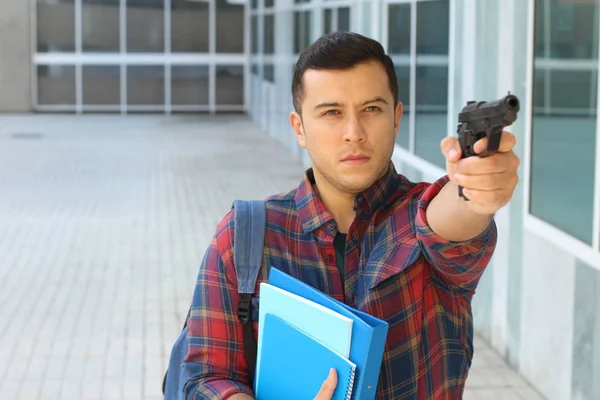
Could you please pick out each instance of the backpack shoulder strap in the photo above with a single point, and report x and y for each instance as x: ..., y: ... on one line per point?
x: 249, y: 236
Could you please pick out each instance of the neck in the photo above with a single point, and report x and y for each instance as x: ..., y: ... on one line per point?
x: 339, y: 204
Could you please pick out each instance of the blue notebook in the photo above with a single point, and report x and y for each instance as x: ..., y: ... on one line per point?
x: 328, y: 327
x: 368, y: 333
x: 294, y: 365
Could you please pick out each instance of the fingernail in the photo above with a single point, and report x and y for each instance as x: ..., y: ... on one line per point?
x: 452, y: 153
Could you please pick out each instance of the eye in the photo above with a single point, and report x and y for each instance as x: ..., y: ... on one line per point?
x: 331, y: 112
x: 373, y: 109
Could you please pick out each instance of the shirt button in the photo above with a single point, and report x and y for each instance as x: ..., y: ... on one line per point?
x: 331, y: 226
x: 329, y: 257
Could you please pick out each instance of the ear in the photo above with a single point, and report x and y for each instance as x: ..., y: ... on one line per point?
x: 296, y: 122
x: 397, y: 118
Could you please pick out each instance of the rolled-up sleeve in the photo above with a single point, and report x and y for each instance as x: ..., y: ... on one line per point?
x: 460, y: 264
x: 215, y: 364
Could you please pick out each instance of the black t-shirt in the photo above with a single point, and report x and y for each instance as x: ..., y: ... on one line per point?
x: 339, y: 243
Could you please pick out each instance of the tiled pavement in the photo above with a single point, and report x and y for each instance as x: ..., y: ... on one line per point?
x: 103, y: 222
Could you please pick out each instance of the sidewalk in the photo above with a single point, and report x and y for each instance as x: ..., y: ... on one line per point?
x: 103, y: 223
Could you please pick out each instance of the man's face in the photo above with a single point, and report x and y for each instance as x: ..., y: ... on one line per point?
x: 348, y: 125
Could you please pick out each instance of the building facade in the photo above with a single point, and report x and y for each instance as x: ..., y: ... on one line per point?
x: 539, y: 302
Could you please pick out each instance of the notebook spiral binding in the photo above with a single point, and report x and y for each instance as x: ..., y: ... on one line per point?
x: 351, y: 384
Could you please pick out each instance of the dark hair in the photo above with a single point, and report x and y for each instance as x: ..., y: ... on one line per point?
x: 340, y: 50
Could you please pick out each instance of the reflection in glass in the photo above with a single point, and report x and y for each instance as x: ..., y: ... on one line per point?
x: 189, y: 85
x: 399, y: 29
x: 564, y: 121
x: 269, y: 34
x: 145, y: 26
x: 343, y: 19
x: 101, y: 85
x: 431, y: 112
x: 189, y: 27
x: 230, y: 27
x: 433, y: 24
x: 302, y: 25
x: 566, y: 29
x: 56, y: 84
x: 230, y: 85
x: 55, y: 26
x: 254, y: 33
x: 403, y: 77
x: 100, y: 26
x: 328, y: 20
x: 269, y: 72
x: 145, y: 85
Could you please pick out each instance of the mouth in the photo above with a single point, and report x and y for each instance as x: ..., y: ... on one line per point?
x: 356, y: 159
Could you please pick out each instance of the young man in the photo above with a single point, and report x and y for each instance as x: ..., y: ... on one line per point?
x: 409, y: 253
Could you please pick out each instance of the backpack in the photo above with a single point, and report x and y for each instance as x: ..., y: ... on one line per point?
x: 249, y: 234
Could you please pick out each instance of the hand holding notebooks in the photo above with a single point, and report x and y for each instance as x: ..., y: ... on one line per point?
x: 367, y: 340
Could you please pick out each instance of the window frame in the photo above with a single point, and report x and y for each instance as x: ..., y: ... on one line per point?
x: 590, y: 254
x: 401, y: 154
x: 165, y: 59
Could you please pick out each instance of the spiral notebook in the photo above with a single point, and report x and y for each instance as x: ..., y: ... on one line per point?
x: 294, y: 365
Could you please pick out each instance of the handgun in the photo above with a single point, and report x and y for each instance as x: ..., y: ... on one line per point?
x: 480, y: 119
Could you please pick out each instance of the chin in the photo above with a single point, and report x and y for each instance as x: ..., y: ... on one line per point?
x: 358, y: 182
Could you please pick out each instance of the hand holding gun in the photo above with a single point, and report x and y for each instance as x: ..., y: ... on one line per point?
x: 478, y: 120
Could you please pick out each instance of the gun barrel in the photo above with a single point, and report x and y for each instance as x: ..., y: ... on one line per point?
x: 506, y: 107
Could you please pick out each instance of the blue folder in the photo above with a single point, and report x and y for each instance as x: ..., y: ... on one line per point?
x: 294, y: 365
x: 368, y: 333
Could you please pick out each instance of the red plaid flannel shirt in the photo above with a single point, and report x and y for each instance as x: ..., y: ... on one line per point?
x: 396, y: 269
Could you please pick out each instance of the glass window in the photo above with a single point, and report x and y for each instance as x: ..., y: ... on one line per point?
x: 431, y: 111
x: 433, y: 24
x: 230, y: 85
x: 254, y: 30
x: 431, y: 80
x: 189, y: 27
x: 431, y: 108
x: 328, y: 20
x: 403, y: 78
x: 302, y: 26
x: 269, y: 34
x: 100, y: 26
x: 101, y: 85
x: 269, y: 72
x: 146, y: 85
x: 55, y: 26
x: 399, y: 48
x: 145, y: 26
x: 189, y: 85
x: 564, y: 119
x: 56, y: 85
x: 230, y: 27
x: 343, y: 19
x: 399, y: 29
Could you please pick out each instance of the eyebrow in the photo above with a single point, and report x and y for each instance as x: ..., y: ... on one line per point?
x: 377, y: 99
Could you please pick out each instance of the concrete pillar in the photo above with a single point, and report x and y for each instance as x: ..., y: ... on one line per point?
x: 15, y: 56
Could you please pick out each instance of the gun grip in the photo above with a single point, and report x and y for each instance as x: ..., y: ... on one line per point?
x: 461, y: 194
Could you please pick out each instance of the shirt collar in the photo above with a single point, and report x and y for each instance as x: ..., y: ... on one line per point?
x: 313, y: 214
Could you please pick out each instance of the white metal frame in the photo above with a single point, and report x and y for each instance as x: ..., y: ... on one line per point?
x: 561, y: 239
x: 122, y: 59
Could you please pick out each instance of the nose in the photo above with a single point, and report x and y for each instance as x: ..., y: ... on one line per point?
x: 354, y: 131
